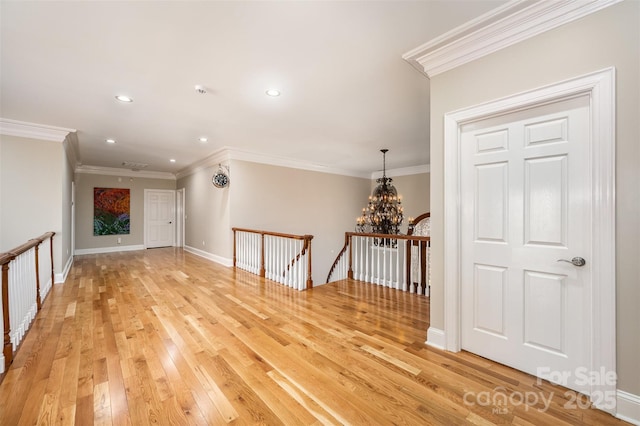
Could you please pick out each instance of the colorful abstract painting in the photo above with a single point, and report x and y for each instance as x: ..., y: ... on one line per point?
x: 111, y: 211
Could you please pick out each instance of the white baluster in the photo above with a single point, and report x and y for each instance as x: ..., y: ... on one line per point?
x: 368, y: 260
x: 240, y: 249
x: 384, y: 264
x: 278, y: 270
x: 273, y: 248
x: 397, y: 283
x: 267, y: 255
x: 404, y: 265
x: 238, y: 237
x: 290, y: 255
x: 299, y: 274
x: 379, y: 266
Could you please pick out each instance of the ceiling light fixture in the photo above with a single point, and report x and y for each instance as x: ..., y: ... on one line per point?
x: 124, y: 98
x: 273, y: 93
x: 110, y: 140
x: 384, y: 212
x: 173, y: 160
x: 200, y: 89
x: 203, y: 139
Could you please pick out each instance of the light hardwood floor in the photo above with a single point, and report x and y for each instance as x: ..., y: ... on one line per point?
x: 164, y: 337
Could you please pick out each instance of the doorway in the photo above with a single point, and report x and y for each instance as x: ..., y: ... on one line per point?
x: 490, y: 204
x: 159, y: 218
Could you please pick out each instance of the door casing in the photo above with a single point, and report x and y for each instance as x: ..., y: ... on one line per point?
x: 146, y: 209
x: 600, y: 87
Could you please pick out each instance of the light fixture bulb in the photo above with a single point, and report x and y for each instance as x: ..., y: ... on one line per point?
x: 124, y: 98
x: 203, y: 139
x: 273, y: 93
x: 110, y: 140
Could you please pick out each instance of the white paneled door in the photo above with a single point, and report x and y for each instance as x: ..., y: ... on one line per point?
x: 159, y: 218
x: 525, y: 215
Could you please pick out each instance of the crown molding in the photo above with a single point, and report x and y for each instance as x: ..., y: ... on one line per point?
x: 217, y: 157
x: 24, y: 129
x: 405, y: 171
x: 227, y: 153
x: 114, y: 171
x: 273, y: 160
x: 502, y: 27
x: 70, y: 145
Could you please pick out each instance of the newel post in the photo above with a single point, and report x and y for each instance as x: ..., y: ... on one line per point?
x: 38, y: 299
x: 348, y: 240
x: 51, y: 250
x: 234, y: 248
x: 262, y: 270
x: 307, y: 241
x: 7, y: 349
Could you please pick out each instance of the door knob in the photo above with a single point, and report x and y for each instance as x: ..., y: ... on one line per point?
x: 576, y: 261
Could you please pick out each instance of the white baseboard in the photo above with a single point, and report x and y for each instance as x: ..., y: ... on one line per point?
x: 1, y: 364
x: 212, y: 257
x: 628, y: 407
x: 435, y: 338
x: 44, y: 290
x: 108, y: 249
x: 627, y: 404
x: 60, y: 278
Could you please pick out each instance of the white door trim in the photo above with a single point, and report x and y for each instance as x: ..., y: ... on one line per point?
x: 600, y: 87
x: 180, y: 217
x: 146, y: 209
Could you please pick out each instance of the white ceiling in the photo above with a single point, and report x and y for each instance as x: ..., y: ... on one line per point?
x: 346, y: 91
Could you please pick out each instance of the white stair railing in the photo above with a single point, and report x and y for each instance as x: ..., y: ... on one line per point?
x: 284, y: 258
x: 23, y: 269
x: 396, y: 261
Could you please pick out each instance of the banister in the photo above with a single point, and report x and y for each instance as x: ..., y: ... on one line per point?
x: 5, y: 259
x: 422, y: 241
x: 274, y: 234
x: 306, y: 248
x: 340, y: 254
x: 390, y: 236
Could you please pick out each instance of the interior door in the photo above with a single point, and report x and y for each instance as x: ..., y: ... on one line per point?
x: 159, y: 218
x: 525, y: 211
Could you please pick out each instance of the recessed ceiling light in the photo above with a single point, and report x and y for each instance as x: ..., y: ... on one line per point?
x: 173, y: 160
x: 273, y: 92
x: 203, y: 139
x: 110, y: 140
x: 200, y: 89
x: 123, y: 98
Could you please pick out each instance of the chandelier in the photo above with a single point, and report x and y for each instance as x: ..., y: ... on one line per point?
x: 383, y: 213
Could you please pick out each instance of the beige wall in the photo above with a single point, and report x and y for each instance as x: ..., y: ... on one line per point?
x: 608, y: 38
x: 85, y: 183
x: 287, y: 200
x: 66, y: 187
x: 32, y: 178
x: 207, y: 224
x: 298, y: 202
x: 271, y: 198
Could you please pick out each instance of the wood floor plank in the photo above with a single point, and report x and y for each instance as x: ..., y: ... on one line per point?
x: 165, y: 337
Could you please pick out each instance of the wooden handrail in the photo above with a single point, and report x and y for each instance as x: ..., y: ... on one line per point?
x: 389, y: 236
x: 13, y: 253
x: 338, y: 257
x: 5, y: 260
x: 274, y: 234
